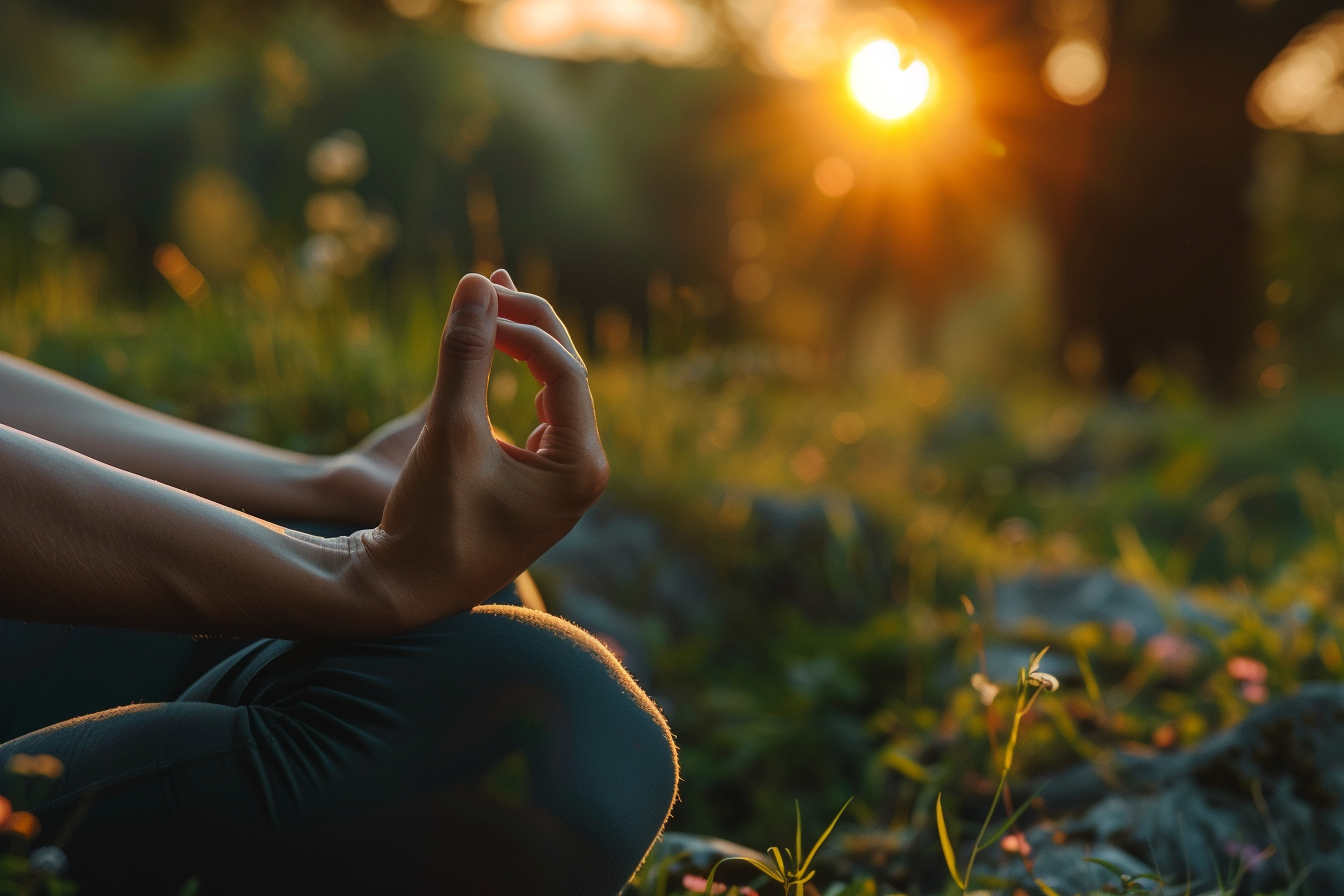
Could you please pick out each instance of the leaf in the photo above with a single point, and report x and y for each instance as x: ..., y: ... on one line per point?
x: 1045, y: 888
x: 779, y: 860
x: 759, y: 866
x: 905, y: 765
x: 824, y: 834
x: 948, y: 854
x: 798, y: 837
x: 1012, y: 819
x: 1109, y: 866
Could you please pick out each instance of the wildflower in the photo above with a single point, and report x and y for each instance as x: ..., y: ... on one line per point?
x: 987, y: 689
x: 6, y: 810
x: 1172, y: 654
x: 696, y: 884
x: 1016, y: 844
x: 1247, y: 669
x: 1041, y: 679
x: 1254, y: 692
x: 1165, y: 737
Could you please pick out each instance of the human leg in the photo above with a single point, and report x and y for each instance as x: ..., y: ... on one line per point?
x: 498, y: 751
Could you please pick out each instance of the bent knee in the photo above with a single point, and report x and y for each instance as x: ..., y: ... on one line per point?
x: 557, y: 726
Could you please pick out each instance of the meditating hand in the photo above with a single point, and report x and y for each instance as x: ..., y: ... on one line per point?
x: 470, y: 512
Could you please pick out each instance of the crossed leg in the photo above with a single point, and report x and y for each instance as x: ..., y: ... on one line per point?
x: 497, y: 751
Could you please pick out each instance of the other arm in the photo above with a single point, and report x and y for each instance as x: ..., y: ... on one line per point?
x: 233, y: 471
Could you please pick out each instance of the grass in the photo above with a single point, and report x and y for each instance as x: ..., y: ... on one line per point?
x: 842, y: 649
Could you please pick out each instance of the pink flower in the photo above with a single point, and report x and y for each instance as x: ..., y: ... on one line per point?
x: 1172, y: 653
x: 1254, y: 692
x: 696, y: 884
x: 1248, y: 853
x: 1247, y: 669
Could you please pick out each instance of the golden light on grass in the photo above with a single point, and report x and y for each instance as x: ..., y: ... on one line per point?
x: 885, y: 87
x: 1075, y: 71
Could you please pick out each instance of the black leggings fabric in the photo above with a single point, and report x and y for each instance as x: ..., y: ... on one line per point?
x: 497, y: 752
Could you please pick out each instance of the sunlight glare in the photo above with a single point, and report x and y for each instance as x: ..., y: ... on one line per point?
x: 880, y: 84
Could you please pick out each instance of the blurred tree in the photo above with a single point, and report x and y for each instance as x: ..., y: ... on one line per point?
x: 1148, y: 186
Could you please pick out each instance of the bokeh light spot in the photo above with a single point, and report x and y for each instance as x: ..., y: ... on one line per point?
x: 848, y: 427
x: 882, y: 86
x: 1274, y: 378
x: 338, y: 159
x: 1075, y: 71
x: 1278, y: 292
x: 834, y: 177
x: 1267, y: 334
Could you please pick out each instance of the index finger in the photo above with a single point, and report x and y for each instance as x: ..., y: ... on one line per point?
x: 566, y: 402
x: 526, y: 308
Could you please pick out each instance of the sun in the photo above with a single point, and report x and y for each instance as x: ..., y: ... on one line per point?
x: 882, y: 86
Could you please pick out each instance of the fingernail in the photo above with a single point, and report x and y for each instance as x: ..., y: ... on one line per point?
x: 473, y: 292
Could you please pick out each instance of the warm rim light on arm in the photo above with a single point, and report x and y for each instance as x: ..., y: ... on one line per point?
x: 880, y: 84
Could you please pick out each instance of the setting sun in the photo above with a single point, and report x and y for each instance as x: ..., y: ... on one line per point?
x: 882, y: 86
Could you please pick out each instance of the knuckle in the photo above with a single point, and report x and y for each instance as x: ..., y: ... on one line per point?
x: 467, y: 339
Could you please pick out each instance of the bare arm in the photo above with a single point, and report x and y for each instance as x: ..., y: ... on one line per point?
x: 236, y: 472
x: 82, y: 542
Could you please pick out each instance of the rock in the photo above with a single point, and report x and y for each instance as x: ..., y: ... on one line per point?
x: 1266, y: 796
x: 1040, y: 603
x: 629, y: 561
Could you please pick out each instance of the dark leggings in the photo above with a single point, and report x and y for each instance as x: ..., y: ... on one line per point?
x: 497, y: 752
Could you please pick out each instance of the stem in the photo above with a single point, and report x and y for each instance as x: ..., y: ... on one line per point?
x: 1023, y: 707
x: 975, y: 850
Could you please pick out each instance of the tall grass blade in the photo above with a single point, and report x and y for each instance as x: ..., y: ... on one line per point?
x: 798, y: 837
x: 824, y: 834
x: 1012, y: 819
x: 948, y: 854
x: 1045, y: 888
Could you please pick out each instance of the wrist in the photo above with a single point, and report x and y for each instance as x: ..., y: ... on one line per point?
x: 339, y: 489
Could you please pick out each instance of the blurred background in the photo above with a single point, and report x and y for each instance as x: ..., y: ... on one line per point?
x: 888, y: 303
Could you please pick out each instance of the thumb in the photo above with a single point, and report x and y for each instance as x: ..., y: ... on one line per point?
x: 465, y: 354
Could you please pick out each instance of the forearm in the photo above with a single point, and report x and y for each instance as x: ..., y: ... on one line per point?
x: 236, y: 472
x: 82, y: 542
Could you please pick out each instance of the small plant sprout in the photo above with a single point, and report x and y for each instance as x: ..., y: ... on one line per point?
x: 1031, y: 681
x: 793, y: 879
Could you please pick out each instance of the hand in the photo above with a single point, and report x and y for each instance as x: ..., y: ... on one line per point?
x: 470, y: 512
x: 358, y: 481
